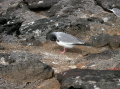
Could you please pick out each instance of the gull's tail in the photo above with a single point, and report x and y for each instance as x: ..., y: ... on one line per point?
x: 84, y: 44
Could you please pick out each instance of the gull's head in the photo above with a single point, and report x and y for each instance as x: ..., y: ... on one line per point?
x: 51, y: 37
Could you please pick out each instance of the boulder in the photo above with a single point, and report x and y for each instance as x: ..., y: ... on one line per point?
x: 23, y: 67
x: 89, y: 79
x: 40, y: 4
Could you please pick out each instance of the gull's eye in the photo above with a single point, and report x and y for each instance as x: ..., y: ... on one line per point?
x: 57, y: 40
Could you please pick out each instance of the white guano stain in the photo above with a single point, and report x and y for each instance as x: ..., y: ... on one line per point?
x: 95, y: 87
x: 40, y: 2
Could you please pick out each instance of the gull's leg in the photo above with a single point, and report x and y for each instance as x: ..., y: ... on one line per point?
x: 64, y: 51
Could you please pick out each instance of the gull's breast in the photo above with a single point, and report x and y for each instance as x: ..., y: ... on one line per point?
x: 66, y: 45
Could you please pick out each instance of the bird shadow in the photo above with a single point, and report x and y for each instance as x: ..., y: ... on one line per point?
x: 72, y: 50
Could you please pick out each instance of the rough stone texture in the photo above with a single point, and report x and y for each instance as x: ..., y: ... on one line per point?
x: 41, y: 28
x: 104, y: 60
x: 40, y: 4
x: 115, y: 41
x: 24, y: 67
x: 82, y: 8
x: 83, y: 20
x: 5, y: 4
x: 25, y: 23
x: 89, y: 79
x: 102, y: 40
x: 49, y: 84
x: 108, y: 4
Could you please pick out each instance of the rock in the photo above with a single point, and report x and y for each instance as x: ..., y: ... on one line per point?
x: 9, y: 38
x: 3, y: 20
x: 104, y: 60
x: 5, y: 4
x: 7, y: 85
x: 12, y: 28
x: 5, y: 59
x: 25, y: 68
x: 108, y: 4
x: 115, y: 41
x: 10, y: 25
x: 96, y: 20
x: 20, y: 10
x: 78, y: 8
x: 37, y: 29
x: 100, y: 40
x: 27, y: 22
x: 40, y: 4
x: 49, y: 84
x: 118, y: 66
x: 30, y: 41
x: 2, y: 48
x: 89, y: 79
x: 40, y: 28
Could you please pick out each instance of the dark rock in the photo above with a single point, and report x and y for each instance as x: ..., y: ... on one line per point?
x: 23, y: 56
x: 104, y: 60
x: 104, y: 55
x: 74, y: 7
x: 19, y: 10
x: 37, y: 29
x: 89, y: 79
x: 100, y: 40
x: 96, y: 20
x: 2, y: 48
x: 25, y: 68
x: 3, y: 20
x: 106, y: 40
x: 40, y: 4
x: 108, y: 4
x: 40, y: 28
x: 114, y: 41
x: 30, y: 41
x: 12, y: 28
x: 10, y: 25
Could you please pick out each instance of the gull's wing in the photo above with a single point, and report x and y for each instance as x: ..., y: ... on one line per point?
x: 67, y: 38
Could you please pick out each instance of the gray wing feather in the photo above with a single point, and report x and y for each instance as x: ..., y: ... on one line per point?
x: 67, y: 38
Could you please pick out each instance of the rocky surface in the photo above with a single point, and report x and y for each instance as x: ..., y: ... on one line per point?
x: 89, y: 79
x: 40, y: 4
x: 107, y: 5
x: 22, y: 68
x: 29, y: 61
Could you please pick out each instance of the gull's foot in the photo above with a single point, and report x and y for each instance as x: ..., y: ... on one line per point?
x: 62, y: 52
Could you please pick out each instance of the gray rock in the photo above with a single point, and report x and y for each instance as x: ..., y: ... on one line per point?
x: 40, y: 4
x: 3, y: 20
x: 40, y: 28
x: 89, y: 79
x: 25, y: 68
x: 114, y: 41
x: 108, y: 4
x: 100, y: 40
x: 78, y: 8
x: 108, y: 59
